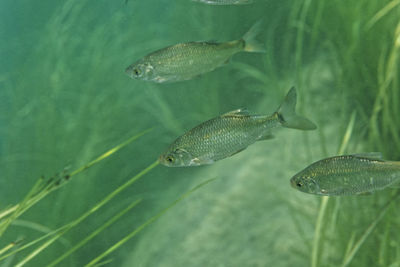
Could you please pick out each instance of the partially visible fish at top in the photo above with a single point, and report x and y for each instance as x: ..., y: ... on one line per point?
x: 231, y: 133
x: 225, y: 2
x: 348, y: 175
x: 185, y: 61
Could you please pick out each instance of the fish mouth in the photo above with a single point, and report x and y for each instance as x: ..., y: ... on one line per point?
x: 293, y: 183
x: 161, y: 160
x: 128, y: 71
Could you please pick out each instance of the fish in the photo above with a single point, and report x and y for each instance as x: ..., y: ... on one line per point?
x: 185, y: 61
x: 225, y: 2
x: 231, y: 133
x: 356, y: 174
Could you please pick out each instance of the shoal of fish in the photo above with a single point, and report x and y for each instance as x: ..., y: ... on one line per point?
x: 232, y: 132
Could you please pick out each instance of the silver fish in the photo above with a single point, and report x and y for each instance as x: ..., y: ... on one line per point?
x: 187, y: 60
x: 231, y: 133
x: 347, y: 175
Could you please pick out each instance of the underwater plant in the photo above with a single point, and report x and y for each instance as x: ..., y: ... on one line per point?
x: 65, y: 98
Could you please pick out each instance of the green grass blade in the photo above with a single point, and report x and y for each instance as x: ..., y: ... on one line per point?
x: 318, y: 231
x: 8, y: 247
x: 325, y: 199
x: 347, y: 135
x: 5, y: 223
x: 349, y: 257
x: 34, y: 242
x: 95, y: 233
x: 383, y: 12
x: 110, y: 152
x: 141, y: 227
x: 36, y: 195
x: 89, y: 212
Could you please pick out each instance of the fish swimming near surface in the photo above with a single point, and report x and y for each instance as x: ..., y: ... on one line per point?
x: 348, y: 175
x: 231, y: 133
x: 225, y: 2
x: 185, y: 61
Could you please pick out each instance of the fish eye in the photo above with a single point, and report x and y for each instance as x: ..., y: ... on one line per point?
x: 170, y: 159
x: 299, y: 184
x: 136, y: 71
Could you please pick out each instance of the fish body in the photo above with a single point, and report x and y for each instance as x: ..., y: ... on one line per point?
x: 185, y: 61
x: 229, y: 134
x: 347, y: 175
x: 225, y: 2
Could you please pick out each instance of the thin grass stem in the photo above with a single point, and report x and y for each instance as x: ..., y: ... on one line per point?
x: 349, y: 257
x: 381, y: 13
x: 325, y: 199
x: 94, y: 234
x: 91, y: 211
x: 144, y: 225
x: 33, y: 196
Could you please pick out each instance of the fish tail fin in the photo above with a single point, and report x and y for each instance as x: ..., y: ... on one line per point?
x: 287, y: 114
x: 250, y: 42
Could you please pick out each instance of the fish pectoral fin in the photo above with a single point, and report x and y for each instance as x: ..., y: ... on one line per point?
x: 237, y: 112
x: 198, y: 162
x: 369, y: 155
x: 265, y: 136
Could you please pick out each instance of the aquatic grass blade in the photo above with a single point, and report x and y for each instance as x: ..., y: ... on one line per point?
x: 8, y: 247
x: 383, y: 12
x: 33, y: 196
x: 92, y: 210
x: 325, y: 199
x: 110, y: 152
x: 348, y: 133
x: 21, y: 207
x: 33, y: 242
x: 349, y: 257
x: 318, y: 231
x: 89, y: 212
x: 94, y: 233
x: 145, y: 224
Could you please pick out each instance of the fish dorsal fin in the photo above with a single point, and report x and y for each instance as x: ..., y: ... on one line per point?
x: 369, y: 155
x: 237, y: 112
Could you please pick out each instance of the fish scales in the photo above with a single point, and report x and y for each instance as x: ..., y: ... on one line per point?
x: 223, y: 136
x: 183, y: 61
x: 347, y: 175
x: 231, y: 133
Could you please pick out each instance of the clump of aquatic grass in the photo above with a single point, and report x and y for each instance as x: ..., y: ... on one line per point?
x: 362, y: 38
x: 69, y: 98
x: 76, y: 93
x: 44, y: 187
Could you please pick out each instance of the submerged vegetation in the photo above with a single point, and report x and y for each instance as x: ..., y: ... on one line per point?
x: 65, y: 99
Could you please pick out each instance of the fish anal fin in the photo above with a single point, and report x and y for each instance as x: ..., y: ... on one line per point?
x: 237, y: 112
x: 240, y: 150
x: 265, y: 136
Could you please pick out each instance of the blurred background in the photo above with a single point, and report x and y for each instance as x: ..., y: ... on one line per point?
x: 65, y: 99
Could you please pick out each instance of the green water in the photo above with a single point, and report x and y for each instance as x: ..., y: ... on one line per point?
x: 65, y: 100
